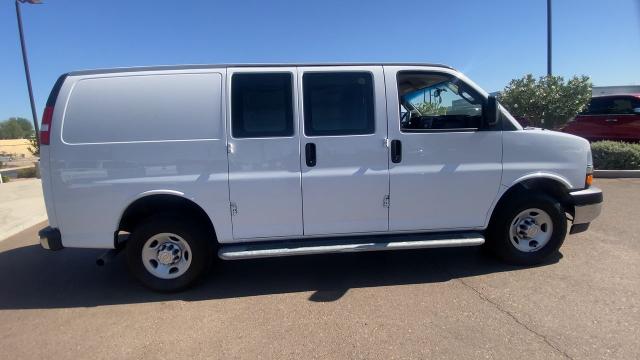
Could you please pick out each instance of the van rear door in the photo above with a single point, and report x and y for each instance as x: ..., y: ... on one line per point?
x: 344, y: 161
x: 264, y: 158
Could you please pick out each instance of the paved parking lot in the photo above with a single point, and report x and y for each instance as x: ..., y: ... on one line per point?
x: 445, y: 303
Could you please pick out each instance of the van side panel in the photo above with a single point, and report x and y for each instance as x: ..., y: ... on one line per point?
x: 118, y: 136
x: 142, y: 108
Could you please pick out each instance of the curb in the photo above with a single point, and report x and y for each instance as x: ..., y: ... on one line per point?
x: 12, y: 173
x: 612, y: 174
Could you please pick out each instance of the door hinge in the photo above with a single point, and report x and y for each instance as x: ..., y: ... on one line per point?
x: 386, y: 201
x: 386, y: 142
x: 229, y: 148
x: 234, y: 208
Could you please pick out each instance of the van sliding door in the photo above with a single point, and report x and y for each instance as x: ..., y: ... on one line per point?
x: 344, y: 161
x: 264, y: 158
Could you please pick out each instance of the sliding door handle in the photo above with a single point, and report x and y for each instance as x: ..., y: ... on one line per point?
x: 310, y: 154
x: 396, y: 151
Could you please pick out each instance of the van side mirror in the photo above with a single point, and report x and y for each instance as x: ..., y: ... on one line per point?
x: 492, y: 111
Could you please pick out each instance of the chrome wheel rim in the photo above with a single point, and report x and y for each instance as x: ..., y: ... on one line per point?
x: 531, y: 230
x: 166, y: 255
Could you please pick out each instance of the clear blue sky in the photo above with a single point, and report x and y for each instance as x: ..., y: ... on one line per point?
x: 492, y: 41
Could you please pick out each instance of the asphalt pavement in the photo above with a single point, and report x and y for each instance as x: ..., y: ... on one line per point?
x: 440, y: 303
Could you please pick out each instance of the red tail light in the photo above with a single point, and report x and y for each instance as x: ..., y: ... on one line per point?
x: 45, y: 128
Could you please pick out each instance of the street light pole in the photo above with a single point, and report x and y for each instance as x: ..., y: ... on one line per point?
x: 548, y: 37
x: 26, y: 68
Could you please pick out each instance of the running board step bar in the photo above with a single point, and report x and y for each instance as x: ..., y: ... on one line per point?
x: 348, y: 244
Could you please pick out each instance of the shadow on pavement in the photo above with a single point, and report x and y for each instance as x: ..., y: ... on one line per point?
x: 32, y: 278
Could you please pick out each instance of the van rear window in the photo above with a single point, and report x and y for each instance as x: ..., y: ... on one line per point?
x: 144, y: 108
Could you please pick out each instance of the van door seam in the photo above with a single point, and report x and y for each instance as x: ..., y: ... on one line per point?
x: 386, y: 113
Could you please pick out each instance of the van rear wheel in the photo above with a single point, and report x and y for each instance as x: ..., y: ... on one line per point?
x: 168, y: 253
x: 527, y: 229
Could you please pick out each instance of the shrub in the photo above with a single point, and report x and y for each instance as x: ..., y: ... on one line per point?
x: 5, y: 178
x: 547, y: 102
x: 613, y: 155
x: 34, y: 146
x: 27, y: 173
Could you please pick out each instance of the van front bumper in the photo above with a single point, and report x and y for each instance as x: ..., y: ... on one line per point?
x: 50, y: 239
x: 587, y: 205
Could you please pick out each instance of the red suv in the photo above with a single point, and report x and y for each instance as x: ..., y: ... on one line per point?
x: 610, y: 117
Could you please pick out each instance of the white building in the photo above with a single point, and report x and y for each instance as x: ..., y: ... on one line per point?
x: 611, y: 90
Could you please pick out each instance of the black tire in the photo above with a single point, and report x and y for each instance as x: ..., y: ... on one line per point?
x: 498, y: 241
x: 197, y: 237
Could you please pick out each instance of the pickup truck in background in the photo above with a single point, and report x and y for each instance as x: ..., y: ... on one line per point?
x: 611, y: 117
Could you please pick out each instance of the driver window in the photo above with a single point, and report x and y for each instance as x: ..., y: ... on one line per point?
x: 432, y: 102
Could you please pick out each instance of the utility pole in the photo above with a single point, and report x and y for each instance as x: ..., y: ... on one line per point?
x: 548, y: 37
x: 25, y: 61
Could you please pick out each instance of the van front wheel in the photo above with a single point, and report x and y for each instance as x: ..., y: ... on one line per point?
x: 527, y: 229
x: 166, y: 253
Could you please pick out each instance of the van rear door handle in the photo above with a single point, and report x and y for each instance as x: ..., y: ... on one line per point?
x: 611, y: 120
x: 310, y: 154
x: 396, y: 151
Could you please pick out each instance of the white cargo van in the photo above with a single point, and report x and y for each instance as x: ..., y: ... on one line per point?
x: 178, y: 165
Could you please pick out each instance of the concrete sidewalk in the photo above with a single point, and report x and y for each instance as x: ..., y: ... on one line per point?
x: 21, y: 206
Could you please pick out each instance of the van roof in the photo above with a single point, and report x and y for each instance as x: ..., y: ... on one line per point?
x: 215, y: 66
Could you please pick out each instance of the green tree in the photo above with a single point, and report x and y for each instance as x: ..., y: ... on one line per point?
x: 548, y: 101
x: 27, y: 128
x: 10, y: 130
x: 16, y: 128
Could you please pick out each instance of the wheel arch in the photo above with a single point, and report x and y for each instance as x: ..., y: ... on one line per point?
x: 552, y: 185
x: 161, y: 201
x: 544, y: 176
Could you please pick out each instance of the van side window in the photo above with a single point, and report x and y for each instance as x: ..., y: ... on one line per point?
x: 339, y: 103
x: 433, y: 102
x: 261, y: 105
